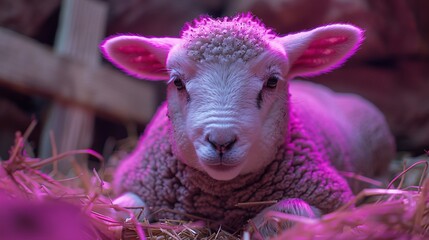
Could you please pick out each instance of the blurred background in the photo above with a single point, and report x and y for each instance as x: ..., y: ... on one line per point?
x: 51, y: 70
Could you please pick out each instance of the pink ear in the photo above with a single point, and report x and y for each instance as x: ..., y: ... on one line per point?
x: 139, y: 56
x: 320, y: 50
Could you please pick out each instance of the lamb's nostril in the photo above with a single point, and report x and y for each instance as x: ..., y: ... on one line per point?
x: 222, y: 144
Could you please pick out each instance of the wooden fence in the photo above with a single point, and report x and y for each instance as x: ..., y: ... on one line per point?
x: 71, y: 74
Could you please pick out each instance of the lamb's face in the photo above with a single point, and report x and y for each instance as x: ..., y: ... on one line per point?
x: 226, y: 96
x: 228, y: 117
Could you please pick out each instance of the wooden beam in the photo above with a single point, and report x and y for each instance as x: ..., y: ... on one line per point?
x: 79, y: 32
x: 29, y: 66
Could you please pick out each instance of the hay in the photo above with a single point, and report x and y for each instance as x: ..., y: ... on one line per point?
x: 383, y: 213
x: 22, y: 181
x: 373, y: 214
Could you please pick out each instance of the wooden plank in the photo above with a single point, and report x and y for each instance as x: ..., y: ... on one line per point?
x: 31, y: 67
x: 81, y: 29
x: 78, y: 34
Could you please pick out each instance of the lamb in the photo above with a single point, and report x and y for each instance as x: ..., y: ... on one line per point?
x: 237, y: 128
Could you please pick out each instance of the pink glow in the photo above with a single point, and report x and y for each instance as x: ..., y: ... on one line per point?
x: 135, y: 56
x: 331, y: 47
x: 45, y: 220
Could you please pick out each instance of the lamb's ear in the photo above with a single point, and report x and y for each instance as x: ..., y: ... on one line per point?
x: 139, y: 56
x: 320, y: 50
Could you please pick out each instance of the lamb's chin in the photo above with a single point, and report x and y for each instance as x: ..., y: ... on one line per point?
x: 222, y: 172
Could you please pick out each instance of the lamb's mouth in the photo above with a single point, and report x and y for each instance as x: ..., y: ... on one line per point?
x: 222, y: 170
x: 221, y: 166
x: 220, y: 163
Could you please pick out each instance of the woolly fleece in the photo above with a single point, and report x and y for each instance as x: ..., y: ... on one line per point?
x: 227, y: 39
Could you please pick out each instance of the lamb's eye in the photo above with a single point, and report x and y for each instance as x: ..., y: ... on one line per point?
x: 272, y: 82
x: 179, y: 83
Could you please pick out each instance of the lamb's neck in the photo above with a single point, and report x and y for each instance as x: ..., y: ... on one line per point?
x: 208, y: 185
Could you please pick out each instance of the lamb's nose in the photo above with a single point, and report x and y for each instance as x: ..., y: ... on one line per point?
x: 221, y: 142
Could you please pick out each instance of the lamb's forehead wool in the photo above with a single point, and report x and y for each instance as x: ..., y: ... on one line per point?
x: 226, y: 39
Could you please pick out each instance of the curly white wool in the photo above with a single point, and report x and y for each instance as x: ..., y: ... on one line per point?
x: 227, y: 39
